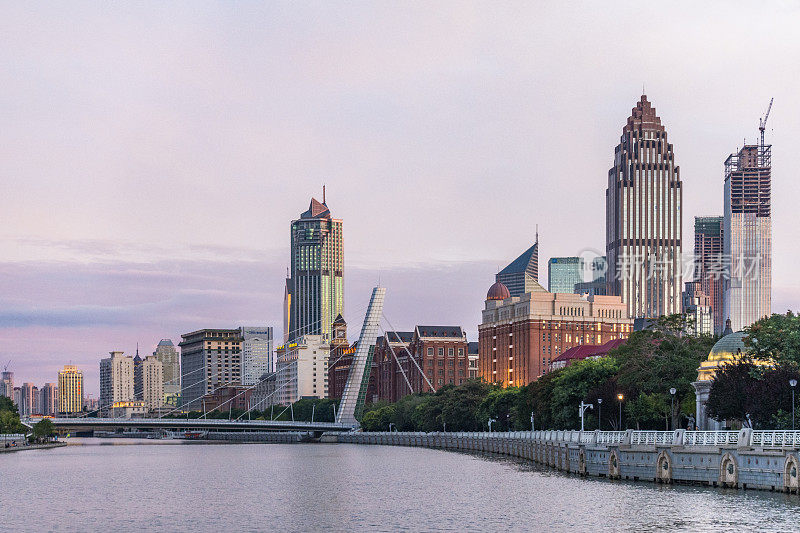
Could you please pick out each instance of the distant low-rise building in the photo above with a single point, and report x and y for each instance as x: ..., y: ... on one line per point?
x: 264, y: 394
x: 472, y: 355
x: 585, y: 351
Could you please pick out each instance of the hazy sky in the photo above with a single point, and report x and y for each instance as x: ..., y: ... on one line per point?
x: 152, y: 155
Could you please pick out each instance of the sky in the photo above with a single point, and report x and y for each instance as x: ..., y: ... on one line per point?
x: 153, y: 154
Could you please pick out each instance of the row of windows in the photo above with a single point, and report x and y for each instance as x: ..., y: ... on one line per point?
x: 450, y: 351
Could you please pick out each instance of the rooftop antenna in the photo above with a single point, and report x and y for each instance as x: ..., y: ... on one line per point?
x: 323, y: 195
x: 5, y: 368
x: 762, y: 122
x: 537, y: 234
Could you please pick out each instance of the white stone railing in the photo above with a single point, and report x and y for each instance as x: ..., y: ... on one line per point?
x: 611, y: 437
x: 652, y: 438
x: 710, y: 438
x: 775, y: 439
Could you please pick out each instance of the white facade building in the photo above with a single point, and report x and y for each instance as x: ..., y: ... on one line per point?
x: 303, y: 369
x: 149, y: 382
x: 257, y: 357
x: 116, y: 380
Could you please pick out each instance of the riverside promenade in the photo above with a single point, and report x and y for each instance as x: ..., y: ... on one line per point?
x: 745, y: 459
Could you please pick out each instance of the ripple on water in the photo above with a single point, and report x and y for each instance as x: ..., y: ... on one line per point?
x: 134, y: 486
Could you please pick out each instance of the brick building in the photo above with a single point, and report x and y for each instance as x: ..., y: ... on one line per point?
x: 520, y: 336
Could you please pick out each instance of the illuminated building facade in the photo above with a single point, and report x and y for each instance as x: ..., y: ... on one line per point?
x: 643, y: 218
x: 70, y: 390
x: 519, y: 336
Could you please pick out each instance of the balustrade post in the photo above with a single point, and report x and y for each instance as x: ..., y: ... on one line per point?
x: 745, y: 438
x: 677, y: 437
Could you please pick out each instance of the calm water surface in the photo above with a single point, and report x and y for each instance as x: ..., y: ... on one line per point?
x: 124, y: 485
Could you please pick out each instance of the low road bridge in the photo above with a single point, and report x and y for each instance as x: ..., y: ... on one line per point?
x: 193, y: 424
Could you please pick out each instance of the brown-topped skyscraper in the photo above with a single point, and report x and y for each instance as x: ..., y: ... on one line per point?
x: 643, y: 218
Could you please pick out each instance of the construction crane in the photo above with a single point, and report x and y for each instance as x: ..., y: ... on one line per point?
x: 762, y: 122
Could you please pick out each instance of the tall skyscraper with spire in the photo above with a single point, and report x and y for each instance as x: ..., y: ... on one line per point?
x: 315, y: 289
x: 643, y: 218
x: 747, y: 235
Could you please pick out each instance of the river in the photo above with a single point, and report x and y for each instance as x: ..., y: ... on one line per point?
x: 128, y: 485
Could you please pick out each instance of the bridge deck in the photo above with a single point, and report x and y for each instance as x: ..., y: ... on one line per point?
x: 195, y: 424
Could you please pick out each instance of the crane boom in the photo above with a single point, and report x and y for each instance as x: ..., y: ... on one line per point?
x: 762, y: 123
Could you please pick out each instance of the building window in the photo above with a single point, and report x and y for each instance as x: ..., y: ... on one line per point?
x: 450, y: 352
x: 461, y: 350
x: 441, y: 351
x: 430, y: 351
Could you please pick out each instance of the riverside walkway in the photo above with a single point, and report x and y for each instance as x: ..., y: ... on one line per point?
x: 746, y: 459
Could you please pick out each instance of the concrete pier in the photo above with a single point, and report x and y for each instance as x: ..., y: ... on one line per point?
x: 746, y: 459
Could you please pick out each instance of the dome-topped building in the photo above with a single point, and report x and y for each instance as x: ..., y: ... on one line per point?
x: 727, y: 350
x: 498, y: 291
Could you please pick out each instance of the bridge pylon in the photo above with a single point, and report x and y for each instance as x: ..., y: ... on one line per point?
x: 355, y: 389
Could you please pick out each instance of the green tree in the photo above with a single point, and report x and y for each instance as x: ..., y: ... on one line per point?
x: 44, y: 429
x: 459, y: 405
x: 9, y: 417
x: 572, y: 385
x: 657, y: 359
x: 503, y: 405
x: 732, y: 391
x: 775, y: 337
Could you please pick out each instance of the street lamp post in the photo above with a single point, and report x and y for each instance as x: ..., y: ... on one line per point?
x: 490, y: 423
x: 620, y: 397
x: 581, y: 409
x: 390, y: 426
x: 672, y: 392
x: 793, y: 384
x: 599, y: 413
x: 532, y: 427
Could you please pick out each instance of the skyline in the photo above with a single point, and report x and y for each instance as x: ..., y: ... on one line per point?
x: 107, y: 231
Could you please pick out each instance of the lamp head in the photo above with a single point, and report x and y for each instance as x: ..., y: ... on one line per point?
x: 620, y: 397
x: 793, y: 382
x: 673, y: 390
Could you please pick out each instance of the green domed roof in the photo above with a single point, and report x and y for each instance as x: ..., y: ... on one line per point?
x: 728, y: 346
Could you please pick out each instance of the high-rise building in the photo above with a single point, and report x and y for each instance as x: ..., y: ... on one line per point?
x: 257, y: 357
x: 597, y: 285
x: 519, y: 336
x: 302, y: 369
x: 697, y: 307
x: 28, y: 399
x: 643, y: 218
x: 215, y: 358
x: 48, y: 400
x: 564, y: 273
x: 210, y: 359
x: 148, y: 382
x: 747, y: 235
x: 709, y: 266
x: 317, y: 272
x: 116, y: 380
x: 170, y: 362
x: 7, y: 384
x: 522, y: 274
x: 70, y: 390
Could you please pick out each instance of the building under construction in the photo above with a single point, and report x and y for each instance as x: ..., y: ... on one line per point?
x: 747, y: 233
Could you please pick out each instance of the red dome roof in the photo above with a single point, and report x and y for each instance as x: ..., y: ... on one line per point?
x: 498, y: 291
